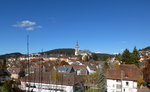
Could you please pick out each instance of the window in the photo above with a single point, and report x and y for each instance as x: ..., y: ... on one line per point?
x: 127, y: 83
x: 113, y: 85
x: 118, y: 86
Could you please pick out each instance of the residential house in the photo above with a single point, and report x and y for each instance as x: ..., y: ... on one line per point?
x: 123, y: 79
x: 14, y: 71
x: 47, y: 82
x: 79, y: 69
x: 99, y: 64
x: 75, y: 63
x: 65, y: 69
x: 91, y: 68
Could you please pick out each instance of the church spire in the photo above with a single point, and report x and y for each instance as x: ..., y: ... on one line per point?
x: 77, y: 45
x: 77, y: 48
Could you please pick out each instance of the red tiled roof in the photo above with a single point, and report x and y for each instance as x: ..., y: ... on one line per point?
x: 74, y: 66
x: 127, y: 71
x: 48, y: 78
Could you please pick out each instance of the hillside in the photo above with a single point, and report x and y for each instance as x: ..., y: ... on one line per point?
x: 66, y: 51
x: 70, y: 51
x: 103, y: 56
x: 146, y: 49
x: 17, y: 54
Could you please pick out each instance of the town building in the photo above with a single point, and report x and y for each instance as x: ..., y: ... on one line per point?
x: 81, y: 52
x: 52, y: 82
x: 76, y: 69
x: 123, y: 79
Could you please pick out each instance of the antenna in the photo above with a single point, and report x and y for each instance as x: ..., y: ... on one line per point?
x: 28, y: 68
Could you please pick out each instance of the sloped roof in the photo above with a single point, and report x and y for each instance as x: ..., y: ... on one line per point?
x: 65, y: 69
x: 48, y: 78
x: 124, y: 71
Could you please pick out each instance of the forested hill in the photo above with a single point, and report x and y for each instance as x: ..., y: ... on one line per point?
x: 146, y: 49
x: 65, y: 51
x: 70, y: 51
x: 15, y: 55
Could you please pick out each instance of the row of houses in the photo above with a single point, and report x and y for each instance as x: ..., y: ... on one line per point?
x: 41, y: 79
x: 122, y: 79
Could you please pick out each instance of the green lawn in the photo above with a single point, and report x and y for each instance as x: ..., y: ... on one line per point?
x: 92, y: 90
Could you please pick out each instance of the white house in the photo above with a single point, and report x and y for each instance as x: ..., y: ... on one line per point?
x: 91, y: 68
x: 122, y: 79
x: 50, y: 82
x: 44, y: 87
x: 114, y: 85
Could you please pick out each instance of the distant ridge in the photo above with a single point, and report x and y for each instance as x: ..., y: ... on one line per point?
x: 16, y: 54
x: 61, y: 51
x: 146, y: 49
x: 64, y: 51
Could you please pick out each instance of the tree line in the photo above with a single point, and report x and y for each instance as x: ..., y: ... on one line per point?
x: 128, y: 57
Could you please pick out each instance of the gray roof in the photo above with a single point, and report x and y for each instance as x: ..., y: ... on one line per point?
x: 92, y: 67
x: 65, y: 69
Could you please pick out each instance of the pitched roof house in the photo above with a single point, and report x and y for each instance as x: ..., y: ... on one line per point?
x: 124, y: 78
x: 78, y: 69
x: 47, y: 82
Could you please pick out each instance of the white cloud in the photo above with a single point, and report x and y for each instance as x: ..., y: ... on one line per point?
x: 27, y: 25
x: 122, y: 50
x: 30, y: 28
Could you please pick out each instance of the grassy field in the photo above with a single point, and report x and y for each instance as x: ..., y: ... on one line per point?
x: 92, y: 90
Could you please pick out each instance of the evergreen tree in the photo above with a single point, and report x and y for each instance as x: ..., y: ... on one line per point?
x: 135, y: 57
x: 130, y: 58
x: 126, y: 57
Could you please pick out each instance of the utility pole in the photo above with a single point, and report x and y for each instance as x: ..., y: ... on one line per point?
x: 28, y: 68
x: 121, y: 80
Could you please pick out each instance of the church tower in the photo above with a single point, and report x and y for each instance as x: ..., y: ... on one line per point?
x: 77, y: 49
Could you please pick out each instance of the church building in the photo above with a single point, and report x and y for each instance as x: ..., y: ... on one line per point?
x: 81, y: 52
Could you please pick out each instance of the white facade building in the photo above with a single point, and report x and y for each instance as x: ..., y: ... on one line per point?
x: 123, y: 79
x: 118, y: 85
x: 43, y: 87
x: 48, y: 82
x: 90, y: 70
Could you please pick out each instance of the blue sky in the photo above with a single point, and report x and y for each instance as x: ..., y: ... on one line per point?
x: 99, y: 25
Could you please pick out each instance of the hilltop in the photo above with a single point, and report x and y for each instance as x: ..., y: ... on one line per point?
x: 15, y: 55
x: 64, y: 51
x: 146, y: 49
